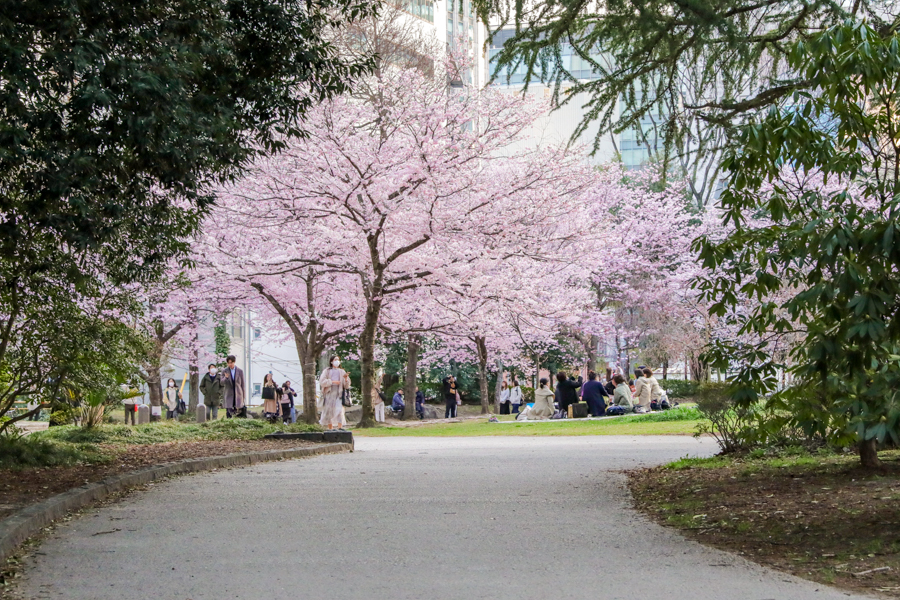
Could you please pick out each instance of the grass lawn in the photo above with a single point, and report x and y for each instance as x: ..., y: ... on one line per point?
x: 678, y: 421
x: 817, y: 516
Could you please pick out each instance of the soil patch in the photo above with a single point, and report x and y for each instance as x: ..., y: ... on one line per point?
x: 820, y: 518
x: 19, y: 488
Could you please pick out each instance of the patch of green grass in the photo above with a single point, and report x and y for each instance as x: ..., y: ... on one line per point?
x: 168, y: 431
x: 656, y: 424
x: 30, y: 451
x: 699, y: 463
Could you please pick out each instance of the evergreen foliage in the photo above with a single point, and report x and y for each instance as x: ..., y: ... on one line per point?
x: 691, y: 64
x: 813, y: 200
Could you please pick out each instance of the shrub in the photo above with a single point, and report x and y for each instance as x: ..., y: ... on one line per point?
x: 679, y: 388
x: 734, y: 427
x: 32, y: 451
x: 62, y: 415
x: 168, y: 431
x: 527, y: 394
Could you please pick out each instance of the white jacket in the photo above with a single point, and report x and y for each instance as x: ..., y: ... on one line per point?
x: 515, y: 395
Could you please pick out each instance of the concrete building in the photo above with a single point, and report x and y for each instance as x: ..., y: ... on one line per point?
x: 632, y: 147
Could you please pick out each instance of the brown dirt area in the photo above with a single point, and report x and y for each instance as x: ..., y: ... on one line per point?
x: 820, y: 518
x: 19, y: 488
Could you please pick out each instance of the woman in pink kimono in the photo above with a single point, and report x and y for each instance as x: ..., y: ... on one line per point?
x: 333, y: 382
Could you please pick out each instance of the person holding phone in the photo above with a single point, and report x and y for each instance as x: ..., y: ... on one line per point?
x: 451, y: 396
x: 333, y: 382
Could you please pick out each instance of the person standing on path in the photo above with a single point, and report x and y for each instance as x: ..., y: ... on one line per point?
x: 287, y: 402
x: 211, y: 387
x: 504, y: 399
x: 595, y: 395
x: 233, y: 386
x: 451, y: 396
x: 171, y: 395
x: 270, y: 398
x: 515, y: 396
x: 380, y: 399
x: 333, y: 382
x: 130, y: 409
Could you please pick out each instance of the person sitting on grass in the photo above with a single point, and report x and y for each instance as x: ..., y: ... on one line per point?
x: 543, y: 402
x: 622, y: 394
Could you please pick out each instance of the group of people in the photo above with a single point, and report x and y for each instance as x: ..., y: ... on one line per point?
x: 510, y: 397
x: 398, y: 405
x: 278, y: 400
x: 617, y: 396
x: 449, y: 394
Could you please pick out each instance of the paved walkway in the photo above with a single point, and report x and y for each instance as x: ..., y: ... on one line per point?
x: 404, y: 518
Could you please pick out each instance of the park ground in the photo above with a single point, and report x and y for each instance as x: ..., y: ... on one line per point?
x: 815, y: 515
x: 405, y: 518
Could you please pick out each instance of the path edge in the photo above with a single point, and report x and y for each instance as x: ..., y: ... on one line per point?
x: 27, y: 522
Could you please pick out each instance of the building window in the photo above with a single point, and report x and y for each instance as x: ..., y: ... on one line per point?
x: 424, y: 9
x: 640, y: 144
x: 257, y: 333
x: 257, y: 389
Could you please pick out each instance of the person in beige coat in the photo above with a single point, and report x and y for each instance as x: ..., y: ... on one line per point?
x: 543, y: 402
x: 333, y: 382
x: 647, y: 388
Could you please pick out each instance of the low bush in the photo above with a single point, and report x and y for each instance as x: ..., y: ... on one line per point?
x: 679, y: 388
x: 168, y: 431
x: 736, y: 428
x: 32, y: 451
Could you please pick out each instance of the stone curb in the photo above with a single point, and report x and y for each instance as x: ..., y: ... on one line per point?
x: 29, y: 521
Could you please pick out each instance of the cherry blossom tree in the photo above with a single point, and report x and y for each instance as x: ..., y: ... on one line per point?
x: 402, y: 192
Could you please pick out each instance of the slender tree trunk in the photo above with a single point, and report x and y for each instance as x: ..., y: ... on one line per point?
x: 665, y: 367
x: 481, y: 350
x: 868, y: 454
x: 194, y: 370
x: 409, y: 387
x: 498, y: 388
x: 308, y: 366
x: 154, y: 385
x: 367, y: 362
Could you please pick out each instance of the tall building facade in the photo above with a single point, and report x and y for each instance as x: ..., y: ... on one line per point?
x: 634, y: 147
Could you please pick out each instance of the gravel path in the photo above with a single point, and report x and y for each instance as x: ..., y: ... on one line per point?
x: 514, y: 518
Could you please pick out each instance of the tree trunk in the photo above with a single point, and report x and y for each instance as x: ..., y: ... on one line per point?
x: 592, y: 353
x: 154, y: 384
x: 367, y: 362
x: 498, y: 388
x: 308, y: 368
x: 481, y: 350
x: 665, y: 367
x: 194, y: 370
x: 868, y: 454
x: 409, y: 387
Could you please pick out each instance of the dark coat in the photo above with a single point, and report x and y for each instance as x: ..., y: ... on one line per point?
x: 595, y: 395
x: 568, y: 393
x: 212, y: 390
